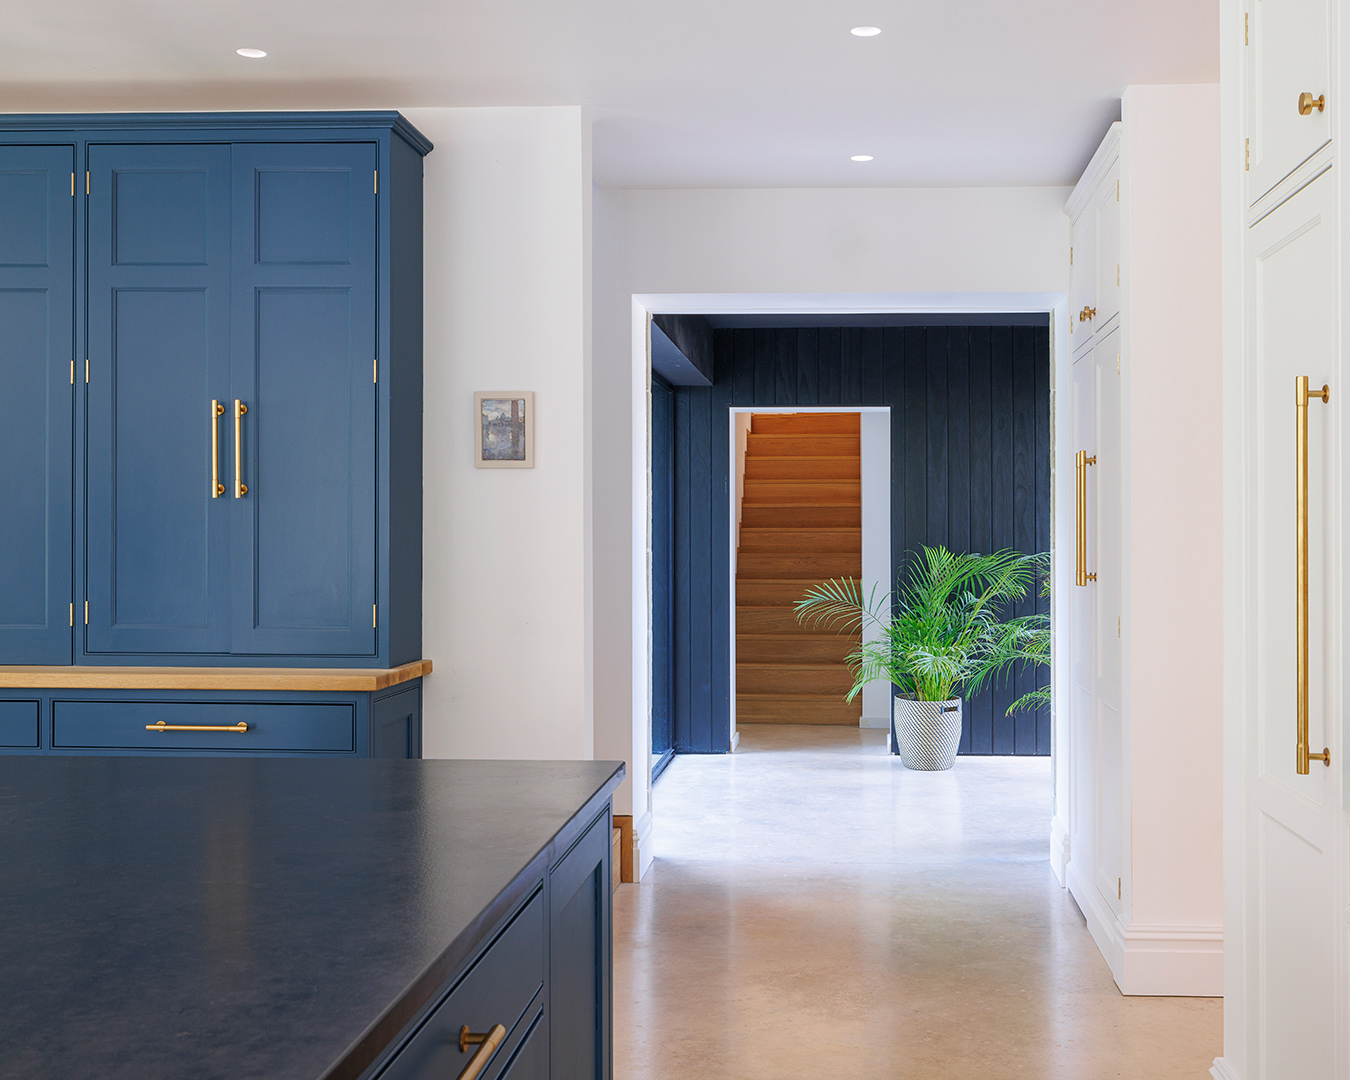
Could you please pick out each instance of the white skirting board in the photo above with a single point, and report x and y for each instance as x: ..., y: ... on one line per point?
x: 1221, y: 1070
x: 1059, y: 849
x: 643, y: 848
x: 1152, y: 960
x: 882, y: 722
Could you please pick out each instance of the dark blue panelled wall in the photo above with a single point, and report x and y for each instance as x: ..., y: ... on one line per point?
x: 970, y: 469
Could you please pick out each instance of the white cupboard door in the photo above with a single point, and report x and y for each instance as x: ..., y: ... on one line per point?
x: 1083, y: 642
x: 1288, y: 54
x: 1083, y: 280
x: 1106, y: 206
x: 1290, y: 831
x: 1105, y: 512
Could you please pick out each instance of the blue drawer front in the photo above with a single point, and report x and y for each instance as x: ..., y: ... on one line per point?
x: 18, y: 723
x: 271, y: 725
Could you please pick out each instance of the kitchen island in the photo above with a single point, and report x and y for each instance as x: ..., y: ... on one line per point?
x: 307, y: 919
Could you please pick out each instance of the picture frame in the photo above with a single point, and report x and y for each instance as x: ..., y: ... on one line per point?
x: 503, y: 429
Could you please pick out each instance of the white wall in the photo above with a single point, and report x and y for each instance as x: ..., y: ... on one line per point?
x: 876, y: 543
x: 506, y: 598
x: 1174, y: 424
x: 907, y: 249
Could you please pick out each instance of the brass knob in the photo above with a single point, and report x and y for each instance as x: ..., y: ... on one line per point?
x: 1307, y: 103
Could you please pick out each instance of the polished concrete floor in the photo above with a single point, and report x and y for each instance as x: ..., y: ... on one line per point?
x: 817, y: 910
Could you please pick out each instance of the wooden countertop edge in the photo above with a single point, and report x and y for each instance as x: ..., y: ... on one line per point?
x: 209, y: 678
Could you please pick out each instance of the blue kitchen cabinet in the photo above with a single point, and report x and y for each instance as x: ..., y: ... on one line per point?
x: 213, y: 363
x: 37, y: 352
x: 157, y: 556
x: 304, y: 364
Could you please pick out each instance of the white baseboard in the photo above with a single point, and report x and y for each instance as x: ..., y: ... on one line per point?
x: 1223, y: 1071
x: 643, y: 848
x: 735, y: 739
x: 1059, y: 850
x: 882, y: 722
x: 1150, y: 960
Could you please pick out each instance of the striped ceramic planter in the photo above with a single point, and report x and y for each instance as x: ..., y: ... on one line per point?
x: 926, y: 733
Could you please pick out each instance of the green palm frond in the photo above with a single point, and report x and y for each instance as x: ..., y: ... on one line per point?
x: 944, y: 628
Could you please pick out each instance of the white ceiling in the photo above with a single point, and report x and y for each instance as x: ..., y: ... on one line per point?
x: 701, y: 93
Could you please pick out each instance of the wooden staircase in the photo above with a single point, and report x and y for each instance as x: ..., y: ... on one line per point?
x: 801, y: 523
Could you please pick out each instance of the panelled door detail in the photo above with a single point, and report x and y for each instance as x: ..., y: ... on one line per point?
x: 37, y: 318
x: 1289, y: 887
x: 303, y: 364
x: 158, y: 351
x: 1288, y: 55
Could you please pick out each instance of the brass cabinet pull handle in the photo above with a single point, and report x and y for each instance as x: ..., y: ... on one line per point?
x: 240, y: 488
x: 240, y: 727
x: 1081, y: 461
x: 487, y: 1046
x: 217, y: 488
x: 1307, y: 103
x: 1301, y: 396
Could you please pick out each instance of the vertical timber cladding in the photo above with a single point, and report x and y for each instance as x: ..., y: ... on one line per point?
x: 970, y: 468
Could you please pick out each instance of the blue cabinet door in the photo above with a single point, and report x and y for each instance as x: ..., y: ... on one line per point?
x: 159, y: 324
x: 304, y: 288
x: 37, y: 318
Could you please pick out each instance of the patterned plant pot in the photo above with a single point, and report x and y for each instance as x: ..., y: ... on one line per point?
x: 926, y: 733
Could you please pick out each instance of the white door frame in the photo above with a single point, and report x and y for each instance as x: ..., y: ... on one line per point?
x: 645, y: 305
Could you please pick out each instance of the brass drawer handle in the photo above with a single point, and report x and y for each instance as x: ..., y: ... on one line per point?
x: 1301, y: 396
x: 240, y: 488
x: 1080, y: 463
x: 487, y: 1046
x: 1307, y: 103
x: 240, y: 727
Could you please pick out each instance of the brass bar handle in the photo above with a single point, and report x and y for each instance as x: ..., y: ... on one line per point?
x: 240, y: 727
x: 1301, y: 396
x: 240, y: 488
x: 487, y: 1046
x: 1081, y: 461
x: 1307, y: 103
x: 217, y: 488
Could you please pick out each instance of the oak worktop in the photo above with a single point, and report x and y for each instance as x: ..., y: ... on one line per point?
x: 86, y: 677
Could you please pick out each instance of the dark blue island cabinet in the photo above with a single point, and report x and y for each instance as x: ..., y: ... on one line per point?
x: 212, y: 370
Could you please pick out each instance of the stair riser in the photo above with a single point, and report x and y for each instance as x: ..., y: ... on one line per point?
x: 812, y: 567
x: 787, y: 678
x: 848, y: 492
x: 805, y: 516
x: 787, y: 649
x: 825, y: 468
x: 779, y: 446
x: 757, y: 538
x: 841, y: 423
x: 779, y: 594
x: 753, y: 710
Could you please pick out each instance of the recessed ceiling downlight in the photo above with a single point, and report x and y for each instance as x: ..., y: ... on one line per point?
x: 865, y: 31
x: 861, y: 157
x: 252, y: 54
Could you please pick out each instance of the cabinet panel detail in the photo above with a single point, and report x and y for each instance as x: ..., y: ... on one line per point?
x: 579, y: 965
x: 36, y: 346
x: 19, y: 723
x: 304, y: 215
x: 161, y: 217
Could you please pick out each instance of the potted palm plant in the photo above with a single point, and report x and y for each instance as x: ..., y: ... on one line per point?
x: 943, y: 630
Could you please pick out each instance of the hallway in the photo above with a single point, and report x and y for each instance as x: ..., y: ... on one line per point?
x: 816, y: 907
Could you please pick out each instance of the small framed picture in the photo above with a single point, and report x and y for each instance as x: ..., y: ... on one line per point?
x: 505, y: 429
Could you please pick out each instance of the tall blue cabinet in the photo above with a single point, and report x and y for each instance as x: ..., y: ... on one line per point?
x: 213, y: 374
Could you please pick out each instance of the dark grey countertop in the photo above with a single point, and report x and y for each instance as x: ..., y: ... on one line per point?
x: 254, y: 917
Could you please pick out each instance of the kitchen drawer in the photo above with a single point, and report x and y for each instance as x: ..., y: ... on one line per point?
x: 280, y: 726
x: 500, y: 988
x: 18, y: 723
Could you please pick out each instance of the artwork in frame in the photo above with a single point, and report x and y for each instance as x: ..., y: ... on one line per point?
x: 505, y: 424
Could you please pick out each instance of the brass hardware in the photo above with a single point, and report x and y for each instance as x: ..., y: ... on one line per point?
x: 86, y: 613
x: 240, y: 488
x: 72, y: 185
x: 1087, y: 313
x: 1081, y: 462
x: 374, y: 616
x: 377, y: 181
x: 240, y: 727
x: 1301, y: 396
x: 1120, y: 889
x: 72, y: 373
x: 72, y: 609
x: 1307, y: 103
x: 1246, y: 36
x: 217, y: 488
x: 1248, y: 166
x: 487, y: 1046
x: 86, y: 371
x: 375, y: 370
x: 1070, y: 256
x: 86, y: 181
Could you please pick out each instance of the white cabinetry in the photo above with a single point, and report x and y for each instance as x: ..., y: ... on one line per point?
x: 1142, y: 622
x: 1286, y: 830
